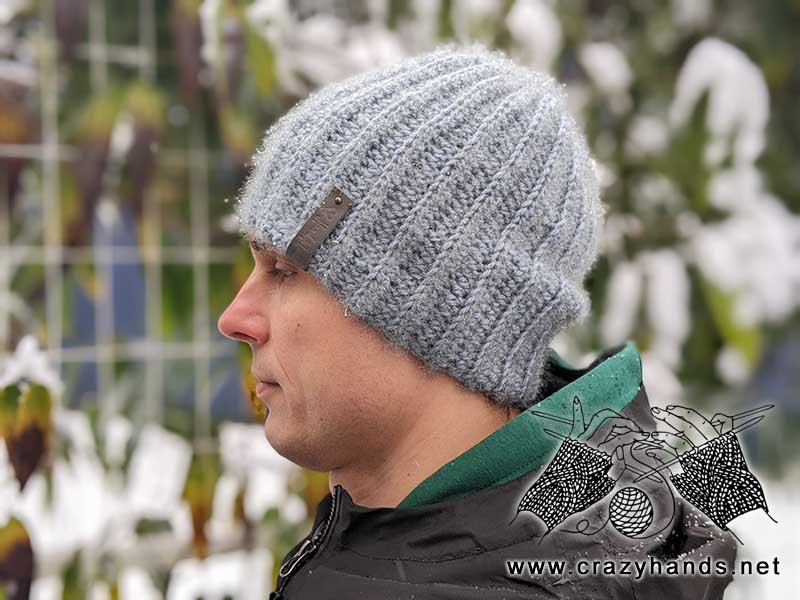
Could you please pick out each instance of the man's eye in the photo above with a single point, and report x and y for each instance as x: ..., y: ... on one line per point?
x: 280, y: 274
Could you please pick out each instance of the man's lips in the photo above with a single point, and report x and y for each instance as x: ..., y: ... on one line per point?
x: 264, y: 386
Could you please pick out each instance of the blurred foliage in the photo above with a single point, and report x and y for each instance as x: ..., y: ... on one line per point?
x: 219, y: 99
x: 16, y: 560
x: 199, y: 493
x: 25, y: 427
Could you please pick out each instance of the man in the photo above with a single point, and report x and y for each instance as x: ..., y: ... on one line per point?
x: 420, y: 233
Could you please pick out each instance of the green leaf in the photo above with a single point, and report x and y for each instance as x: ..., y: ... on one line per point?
x: 75, y: 587
x: 721, y: 305
x: 397, y: 11
x: 147, y: 526
x: 260, y: 59
x: 684, y: 163
x: 238, y: 131
x: 146, y: 104
x: 177, y: 300
x: 96, y: 117
x: 9, y: 405
x: 445, y: 19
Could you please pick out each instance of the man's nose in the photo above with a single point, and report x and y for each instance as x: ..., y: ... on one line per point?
x: 242, y: 320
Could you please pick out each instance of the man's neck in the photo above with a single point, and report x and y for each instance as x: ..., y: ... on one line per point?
x: 446, y: 428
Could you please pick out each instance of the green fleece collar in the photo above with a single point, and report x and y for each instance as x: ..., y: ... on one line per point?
x: 521, y: 445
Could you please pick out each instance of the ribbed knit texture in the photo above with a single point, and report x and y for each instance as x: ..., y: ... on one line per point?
x: 476, y: 214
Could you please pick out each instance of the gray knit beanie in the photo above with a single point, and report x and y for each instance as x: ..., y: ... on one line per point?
x: 447, y: 200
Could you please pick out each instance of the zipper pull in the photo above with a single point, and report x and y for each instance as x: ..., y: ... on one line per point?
x: 288, y: 568
x: 307, y: 547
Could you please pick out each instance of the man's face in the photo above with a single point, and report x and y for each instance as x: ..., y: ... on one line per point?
x: 340, y: 389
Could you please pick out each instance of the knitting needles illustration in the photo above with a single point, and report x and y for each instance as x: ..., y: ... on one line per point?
x: 641, y: 444
x: 579, y: 476
x: 715, y: 477
x: 718, y: 421
x: 721, y: 419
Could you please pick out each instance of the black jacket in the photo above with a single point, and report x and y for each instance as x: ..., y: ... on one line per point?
x: 460, y: 548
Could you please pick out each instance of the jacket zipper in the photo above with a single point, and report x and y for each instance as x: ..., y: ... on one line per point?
x: 307, y: 548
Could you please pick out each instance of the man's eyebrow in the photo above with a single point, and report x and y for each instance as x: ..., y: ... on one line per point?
x: 269, y: 249
x: 262, y: 246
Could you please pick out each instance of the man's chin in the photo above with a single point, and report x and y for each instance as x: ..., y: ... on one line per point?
x: 280, y: 438
x: 272, y: 430
x: 295, y: 450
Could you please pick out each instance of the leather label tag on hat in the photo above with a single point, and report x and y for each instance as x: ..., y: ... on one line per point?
x: 318, y: 226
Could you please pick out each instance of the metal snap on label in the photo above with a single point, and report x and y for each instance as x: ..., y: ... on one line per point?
x: 318, y: 227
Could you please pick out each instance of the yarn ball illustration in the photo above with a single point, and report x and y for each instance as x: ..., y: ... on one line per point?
x: 630, y: 511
